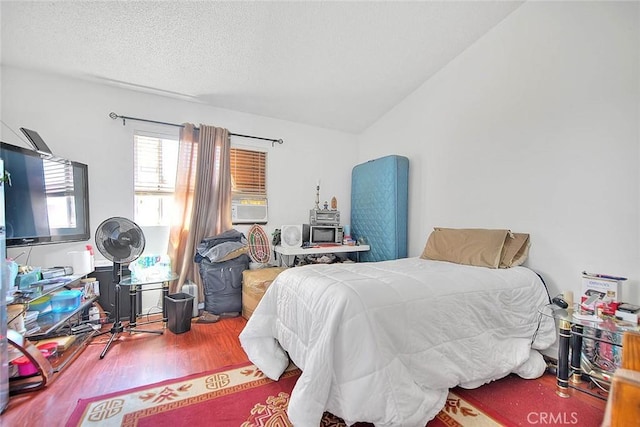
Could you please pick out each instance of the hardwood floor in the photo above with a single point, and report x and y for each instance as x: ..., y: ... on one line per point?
x: 132, y: 360
x: 139, y: 359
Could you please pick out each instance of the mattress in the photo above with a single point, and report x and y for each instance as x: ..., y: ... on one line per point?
x: 382, y: 342
x: 379, y: 203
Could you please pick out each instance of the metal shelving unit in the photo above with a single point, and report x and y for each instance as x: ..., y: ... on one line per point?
x: 50, y: 325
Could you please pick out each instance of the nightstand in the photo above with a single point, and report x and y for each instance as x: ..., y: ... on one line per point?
x: 588, y: 349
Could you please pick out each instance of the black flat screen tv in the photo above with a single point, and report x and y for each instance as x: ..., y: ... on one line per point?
x: 46, y: 198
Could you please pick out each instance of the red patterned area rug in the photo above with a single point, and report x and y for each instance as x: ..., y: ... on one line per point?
x: 513, y: 401
x: 242, y: 396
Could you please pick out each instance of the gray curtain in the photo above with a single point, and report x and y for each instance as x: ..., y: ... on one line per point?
x: 202, y: 204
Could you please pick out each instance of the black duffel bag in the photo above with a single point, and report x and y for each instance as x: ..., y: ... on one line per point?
x: 222, y: 283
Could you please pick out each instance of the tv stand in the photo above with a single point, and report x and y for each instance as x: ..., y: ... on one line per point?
x: 49, y: 326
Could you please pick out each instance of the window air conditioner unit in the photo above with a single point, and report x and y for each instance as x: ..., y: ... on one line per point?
x: 249, y: 211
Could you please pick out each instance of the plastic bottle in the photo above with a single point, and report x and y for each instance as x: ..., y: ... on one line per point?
x: 165, y: 265
x: 93, y: 262
x: 94, y: 314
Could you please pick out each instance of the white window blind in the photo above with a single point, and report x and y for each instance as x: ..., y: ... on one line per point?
x: 155, y: 169
x: 248, y: 173
x: 155, y: 166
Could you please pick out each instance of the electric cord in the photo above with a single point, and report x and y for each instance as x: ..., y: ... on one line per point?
x: 29, y: 255
x: 551, y: 306
x: 546, y: 288
x: 596, y: 382
x: 19, y: 255
x: 14, y: 132
x: 151, y: 312
x: 535, y: 333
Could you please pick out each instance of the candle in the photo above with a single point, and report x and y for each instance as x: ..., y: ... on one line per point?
x: 568, y: 298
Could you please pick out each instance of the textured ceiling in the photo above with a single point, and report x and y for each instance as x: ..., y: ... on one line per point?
x: 339, y: 65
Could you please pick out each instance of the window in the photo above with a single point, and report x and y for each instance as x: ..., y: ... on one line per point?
x: 155, y: 163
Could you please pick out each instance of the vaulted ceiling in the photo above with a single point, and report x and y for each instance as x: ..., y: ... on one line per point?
x: 339, y: 65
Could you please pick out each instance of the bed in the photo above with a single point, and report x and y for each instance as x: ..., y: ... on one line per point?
x: 382, y: 342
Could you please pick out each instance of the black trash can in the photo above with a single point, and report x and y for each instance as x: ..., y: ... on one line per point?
x: 179, y: 310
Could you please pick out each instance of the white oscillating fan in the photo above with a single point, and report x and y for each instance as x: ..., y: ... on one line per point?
x: 291, y: 236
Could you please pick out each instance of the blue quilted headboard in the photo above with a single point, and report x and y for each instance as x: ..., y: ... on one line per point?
x: 379, y: 203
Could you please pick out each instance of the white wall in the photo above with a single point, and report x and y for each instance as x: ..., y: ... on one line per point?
x: 72, y: 116
x: 533, y: 128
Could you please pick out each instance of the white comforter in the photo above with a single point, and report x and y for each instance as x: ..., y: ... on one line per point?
x: 383, y: 342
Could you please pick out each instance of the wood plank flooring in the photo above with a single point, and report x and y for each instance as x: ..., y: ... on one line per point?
x: 132, y: 360
x: 136, y: 360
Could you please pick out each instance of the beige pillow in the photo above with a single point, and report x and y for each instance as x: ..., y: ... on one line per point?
x: 516, y: 250
x: 471, y: 246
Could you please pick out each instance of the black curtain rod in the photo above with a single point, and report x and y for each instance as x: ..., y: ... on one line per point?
x: 115, y: 116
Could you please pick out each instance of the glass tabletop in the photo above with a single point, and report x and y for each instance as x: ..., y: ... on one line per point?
x: 148, y: 280
x: 576, y: 316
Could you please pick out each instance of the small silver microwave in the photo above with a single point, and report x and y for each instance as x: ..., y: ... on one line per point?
x: 319, y: 234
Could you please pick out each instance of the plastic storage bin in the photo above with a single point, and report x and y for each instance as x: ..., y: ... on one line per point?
x: 179, y: 308
x: 64, y: 301
x: 41, y: 305
x: 26, y: 367
x: 24, y: 280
